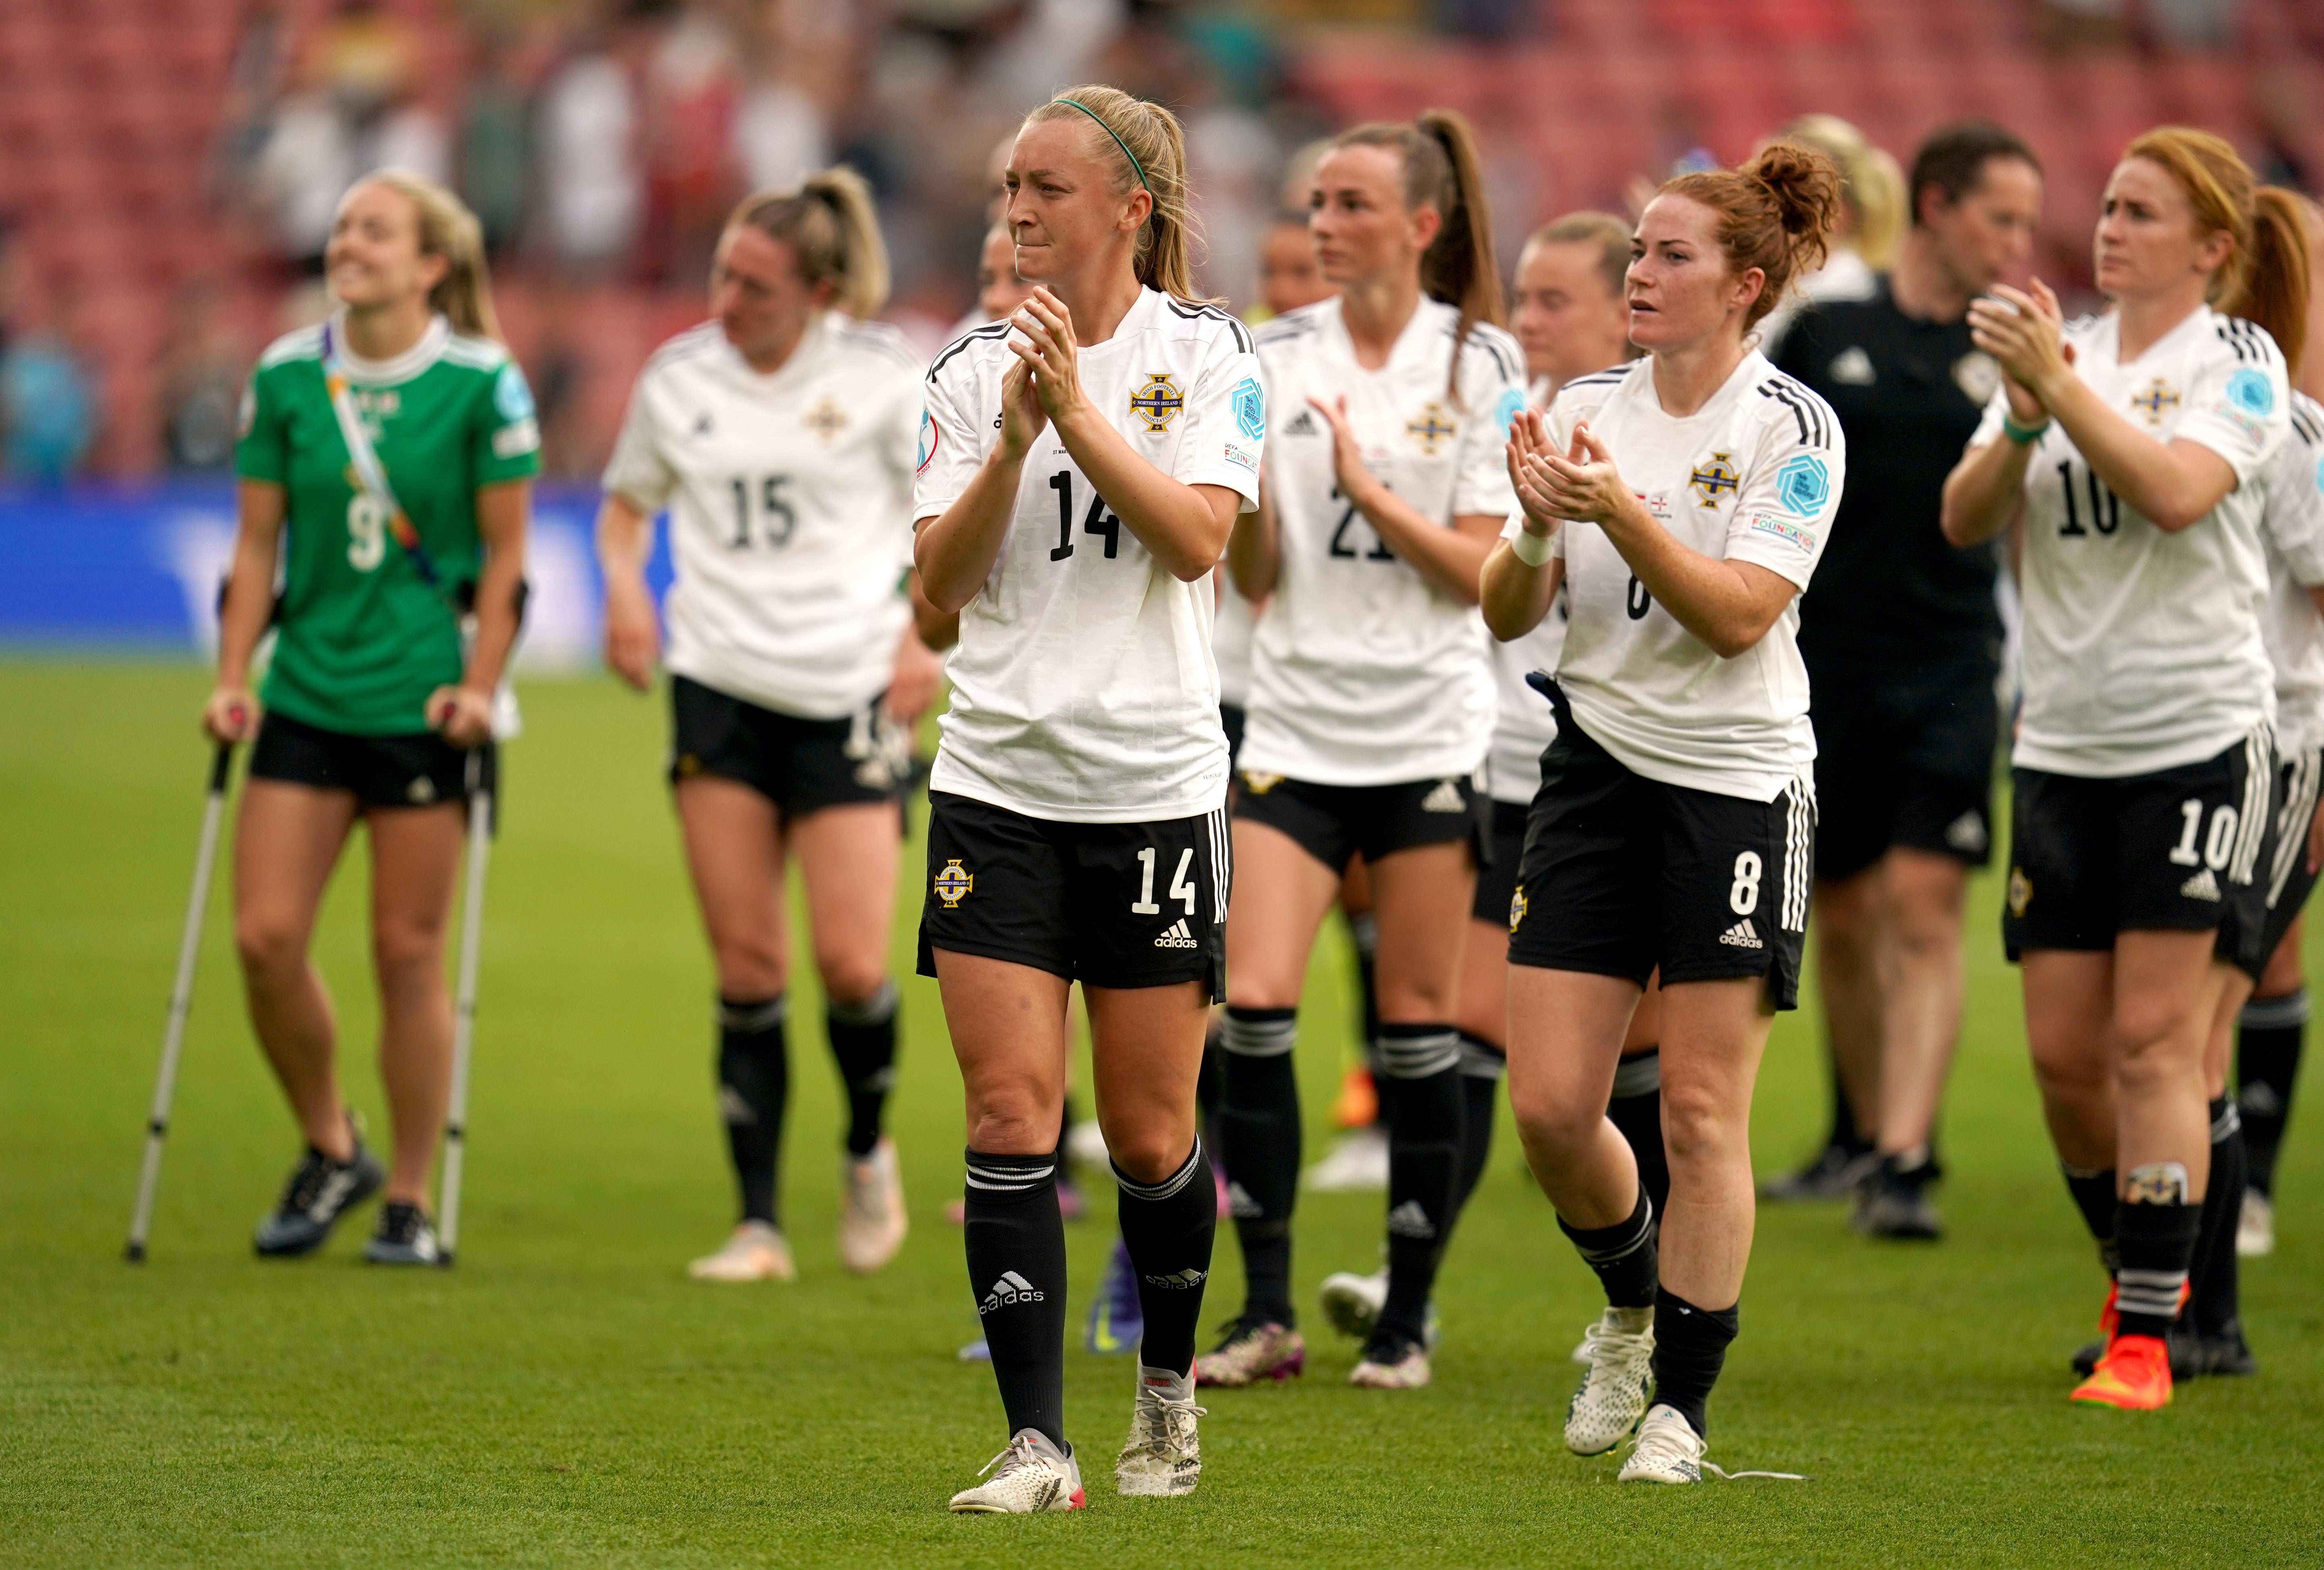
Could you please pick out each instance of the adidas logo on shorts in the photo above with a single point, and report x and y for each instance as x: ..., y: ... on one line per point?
x: 2201, y: 886
x: 1178, y: 937
x: 1445, y: 797
x: 1742, y: 935
x: 1012, y: 1288
x: 1409, y: 1220
x: 1178, y: 1281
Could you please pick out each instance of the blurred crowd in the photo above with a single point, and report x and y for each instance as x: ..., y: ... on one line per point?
x: 602, y: 143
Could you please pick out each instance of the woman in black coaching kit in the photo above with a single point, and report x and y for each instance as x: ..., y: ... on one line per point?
x: 1081, y: 466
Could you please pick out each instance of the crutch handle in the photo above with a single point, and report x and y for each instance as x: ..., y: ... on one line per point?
x: 221, y: 766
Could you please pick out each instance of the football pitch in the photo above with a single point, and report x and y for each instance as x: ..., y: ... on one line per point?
x: 566, y: 1397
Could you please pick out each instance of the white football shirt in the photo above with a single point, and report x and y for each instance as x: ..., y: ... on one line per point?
x: 2144, y: 650
x: 1523, y: 724
x: 2293, y: 522
x: 1083, y: 686
x: 790, y: 498
x: 1753, y: 476
x: 1230, y: 641
x: 1362, y: 672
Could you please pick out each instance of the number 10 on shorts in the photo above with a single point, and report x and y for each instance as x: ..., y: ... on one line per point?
x: 1182, y: 888
x: 2217, y: 845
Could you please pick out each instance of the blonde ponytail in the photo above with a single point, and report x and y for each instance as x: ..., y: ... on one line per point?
x: 833, y: 229
x: 449, y: 230
x: 1149, y: 146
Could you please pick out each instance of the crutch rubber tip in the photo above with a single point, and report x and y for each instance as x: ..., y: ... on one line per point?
x: 135, y: 1253
x: 444, y: 1261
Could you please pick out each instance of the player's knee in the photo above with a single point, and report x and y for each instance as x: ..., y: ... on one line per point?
x: 402, y: 949
x: 849, y: 978
x: 1552, y: 1117
x: 1698, y: 1126
x: 1012, y: 1120
x: 268, y: 944
x: 1148, y: 1155
x: 749, y: 967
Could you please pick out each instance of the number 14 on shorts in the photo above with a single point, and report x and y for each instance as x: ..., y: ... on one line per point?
x: 1182, y: 888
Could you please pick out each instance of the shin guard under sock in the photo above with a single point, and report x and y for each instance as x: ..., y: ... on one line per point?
x: 1168, y: 1227
x: 1421, y: 1094
x: 2268, y: 1041
x: 2093, y: 1191
x: 2154, y: 1231
x: 1258, y: 1142
x: 2215, y: 1308
x: 1689, y: 1349
x: 863, y: 1043
x: 753, y: 1087
x: 1482, y: 1065
x: 1016, y: 1244
x: 1624, y: 1255
x: 1635, y: 1109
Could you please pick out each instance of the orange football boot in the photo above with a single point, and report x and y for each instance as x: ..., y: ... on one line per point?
x: 2134, y: 1376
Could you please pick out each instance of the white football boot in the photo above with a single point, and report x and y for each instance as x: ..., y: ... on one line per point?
x: 1033, y: 1475
x: 872, y: 1219
x: 1667, y: 1450
x: 1612, y: 1397
x: 2255, y: 1227
x: 1163, y: 1456
x: 756, y: 1252
x: 1352, y: 1303
x: 1359, y: 1162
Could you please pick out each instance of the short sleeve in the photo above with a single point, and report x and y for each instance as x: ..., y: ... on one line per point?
x: 1497, y: 391
x: 637, y: 472
x: 1783, y: 512
x: 2240, y: 403
x: 1226, y: 429
x: 946, y: 449
x: 508, y: 429
x: 259, y: 445
x: 2294, y: 518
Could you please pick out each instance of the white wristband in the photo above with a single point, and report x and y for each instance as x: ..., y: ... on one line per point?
x: 1530, y: 548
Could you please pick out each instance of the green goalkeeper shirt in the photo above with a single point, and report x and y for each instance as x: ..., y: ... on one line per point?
x: 363, y: 639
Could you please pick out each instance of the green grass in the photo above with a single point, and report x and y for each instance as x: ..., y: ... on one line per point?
x: 565, y: 1397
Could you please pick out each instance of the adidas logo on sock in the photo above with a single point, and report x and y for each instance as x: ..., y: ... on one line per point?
x: 1445, y: 797
x: 1179, y: 1281
x: 2201, y: 886
x: 1178, y: 937
x: 733, y: 1108
x: 1966, y: 834
x: 1012, y: 1288
x: 1240, y: 1205
x: 1409, y: 1220
x: 1742, y: 935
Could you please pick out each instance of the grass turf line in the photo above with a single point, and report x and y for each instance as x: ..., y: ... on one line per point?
x: 566, y: 1398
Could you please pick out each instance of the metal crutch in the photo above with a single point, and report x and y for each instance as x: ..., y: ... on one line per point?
x: 181, y: 1000
x: 464, y: 1022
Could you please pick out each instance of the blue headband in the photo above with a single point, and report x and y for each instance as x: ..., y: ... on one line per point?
x: 1135, y: 167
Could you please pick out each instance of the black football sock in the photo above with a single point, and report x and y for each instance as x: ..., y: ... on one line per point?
x: 754, y: 1078
x: 1690, y: 1348
x: 1168, y: 1227
x: 1363, y: 933
x: 2093, y: 1190
x: 1482, y: 1065
x: 2154, y: 1231
x: 1259, y: 1141
x: 1845, y: 1135
x: 1624, y: 1256
x: 864, y: 1041
x: 1015, y: 1245
x: 1637, y: 1110
x: 1424, y: 1100
x: 2268, y: 1040
x: 2215, y: 1308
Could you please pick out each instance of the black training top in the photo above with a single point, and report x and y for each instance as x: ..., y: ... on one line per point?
x: 1909, y: 395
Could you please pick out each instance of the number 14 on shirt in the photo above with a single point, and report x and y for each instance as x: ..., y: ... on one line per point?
x: 1100, y: 521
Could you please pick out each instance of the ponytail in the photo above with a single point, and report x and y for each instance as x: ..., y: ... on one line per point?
x: 833, y: 229
x: 1148, y: 147
x: 2272, y: 286
x: 448, y: 229
x: 2265, y: 279
x: 1872, y: 189
x: 1776, y: 213
x: 1441, y: 171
